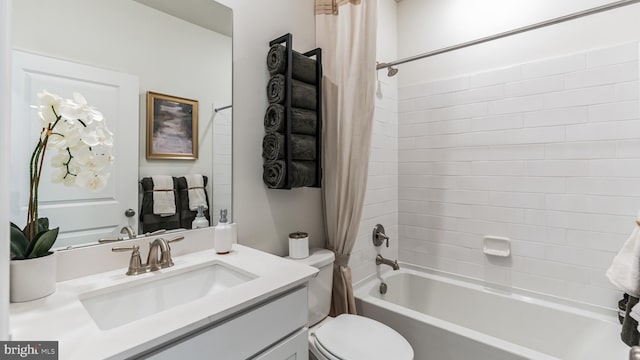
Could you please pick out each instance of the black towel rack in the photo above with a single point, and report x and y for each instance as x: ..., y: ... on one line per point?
x: 287, y: 40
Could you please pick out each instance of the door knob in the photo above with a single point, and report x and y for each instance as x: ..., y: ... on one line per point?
x: 129, y: 213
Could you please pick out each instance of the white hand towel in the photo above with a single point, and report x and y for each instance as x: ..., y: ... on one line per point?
x: 624, y: 272
x: 164, y: 200
x: 195, y: 186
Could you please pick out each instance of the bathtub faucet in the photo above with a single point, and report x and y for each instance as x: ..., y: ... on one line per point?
x: 394, y: 264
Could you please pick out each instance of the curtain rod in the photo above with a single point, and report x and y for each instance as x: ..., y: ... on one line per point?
x: 539, y: 25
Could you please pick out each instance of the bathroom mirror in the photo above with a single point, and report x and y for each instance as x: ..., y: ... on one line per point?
x: 104, y: 49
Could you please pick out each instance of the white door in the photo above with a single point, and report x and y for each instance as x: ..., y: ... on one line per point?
x: 82, y: 215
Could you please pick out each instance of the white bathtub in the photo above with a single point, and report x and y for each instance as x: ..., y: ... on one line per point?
x: 449, y: 317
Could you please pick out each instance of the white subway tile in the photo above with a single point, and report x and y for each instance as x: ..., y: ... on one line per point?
x: 535, y: 217
x: 528, y: 248
x: 435, y: 87
x: 551, y: 269
x: 557, y: 167
x: 518, y: 200
x: 428, y: 221
x: 615, y: 168
x: 603, y: 186
x: 457, y: 112
x: 535, y: 135
x: 613, y: 205
x: 535, y: 86
x: 541, y: 234
x: 493, y: 77
x: 584, y: 96
x: 578, y: 256
x: 511, y: 152
x: 553, y: 117
x: 500, y: 214
x: 448, y: 209
x: 419, y: 155
x: 519, y: 104
x: 553, y: 66
x: 627, y: 91
x: 612, y: 130
x: 497, y: 168
x: 498, y: 122
x: 613, y: 55
x: 595, y: 240
x: 581, y: 150
x: 625, y: 110
x: 482, y: 227
x: 603, y: 75
x: 513, y: 184
x: 628, y: 148
x: 458, y: 196
x: 484, y: 93
x: 405, y: 106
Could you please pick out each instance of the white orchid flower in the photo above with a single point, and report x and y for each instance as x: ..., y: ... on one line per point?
x: 91, y: 180
x: 64, y: 135
x: 80, y: 110
x: 49, y: 105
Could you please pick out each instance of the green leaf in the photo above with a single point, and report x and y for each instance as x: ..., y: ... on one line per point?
x: 19, y: 243
x: 42, y: 225
x: 43, y: 242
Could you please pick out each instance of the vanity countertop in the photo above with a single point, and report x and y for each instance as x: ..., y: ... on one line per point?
x: 62, y: 317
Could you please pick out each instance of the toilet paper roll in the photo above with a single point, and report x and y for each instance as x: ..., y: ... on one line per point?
x: 298, y: 245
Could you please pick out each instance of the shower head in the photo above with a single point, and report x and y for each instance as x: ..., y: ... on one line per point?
x: 391, y: 71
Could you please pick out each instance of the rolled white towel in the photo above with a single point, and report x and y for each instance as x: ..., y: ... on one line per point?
x: 624, y: 272
x: 197, y: 196
x: 164, y: 200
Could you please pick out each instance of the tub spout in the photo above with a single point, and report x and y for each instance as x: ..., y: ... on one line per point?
x: 394, y: 264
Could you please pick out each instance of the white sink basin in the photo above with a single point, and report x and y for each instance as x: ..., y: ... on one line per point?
x: 121, y: 304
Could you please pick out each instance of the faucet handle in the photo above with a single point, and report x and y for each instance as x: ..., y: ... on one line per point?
x: 379, y: 236
x: 135, y: 263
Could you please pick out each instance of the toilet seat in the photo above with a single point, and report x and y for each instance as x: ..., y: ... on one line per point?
x: 353, y: 337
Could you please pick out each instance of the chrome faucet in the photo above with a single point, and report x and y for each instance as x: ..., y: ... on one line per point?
x: 394, y: 264
x: 129, y: 231
x: 159, y: 256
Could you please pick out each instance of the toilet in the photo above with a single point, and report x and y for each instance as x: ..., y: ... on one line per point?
x: 345, y: 337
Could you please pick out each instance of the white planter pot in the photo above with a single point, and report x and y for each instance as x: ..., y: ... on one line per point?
x: 32, y: 278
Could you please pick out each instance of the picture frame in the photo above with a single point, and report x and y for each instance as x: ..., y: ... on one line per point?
x: 172, y: 127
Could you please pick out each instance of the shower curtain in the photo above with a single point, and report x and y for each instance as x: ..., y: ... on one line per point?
x: 346, y: 32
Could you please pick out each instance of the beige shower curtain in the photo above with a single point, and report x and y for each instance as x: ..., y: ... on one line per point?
x: 348, y: 41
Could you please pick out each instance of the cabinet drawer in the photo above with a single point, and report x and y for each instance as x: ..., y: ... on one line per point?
x: 245, y: 335
x: 295, y: 347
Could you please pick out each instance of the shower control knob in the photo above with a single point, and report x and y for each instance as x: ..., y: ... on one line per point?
x: 129, y: 213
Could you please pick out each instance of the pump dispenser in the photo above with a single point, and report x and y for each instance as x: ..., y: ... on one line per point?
x: 200, y: 221
x: 223, y: 234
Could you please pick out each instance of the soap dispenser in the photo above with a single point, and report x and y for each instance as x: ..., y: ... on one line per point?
x: 222, y: 236
x: 200, y: 221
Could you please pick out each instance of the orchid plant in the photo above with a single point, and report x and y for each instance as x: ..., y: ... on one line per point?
x: 83, y: 144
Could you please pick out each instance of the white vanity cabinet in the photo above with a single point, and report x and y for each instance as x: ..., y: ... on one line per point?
x: 272, y: 330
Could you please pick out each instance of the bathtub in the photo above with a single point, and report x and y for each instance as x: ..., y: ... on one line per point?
x: 445, y: 317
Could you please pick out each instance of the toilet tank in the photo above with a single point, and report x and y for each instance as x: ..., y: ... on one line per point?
x: 320, y: 285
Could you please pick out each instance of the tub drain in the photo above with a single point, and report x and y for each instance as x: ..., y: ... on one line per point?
x: 383, y: 288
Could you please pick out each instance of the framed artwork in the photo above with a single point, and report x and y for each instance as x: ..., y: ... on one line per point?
x: 172, y: 127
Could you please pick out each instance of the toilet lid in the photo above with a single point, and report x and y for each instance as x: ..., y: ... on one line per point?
x: 353, y: 337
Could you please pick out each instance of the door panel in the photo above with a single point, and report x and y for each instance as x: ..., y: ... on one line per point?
x: 82, y: 215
